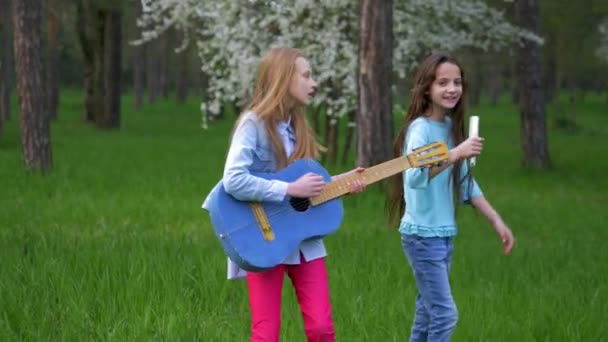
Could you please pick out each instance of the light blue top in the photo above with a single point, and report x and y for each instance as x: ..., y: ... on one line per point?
x: 429, y: 203
x: 251, y: 151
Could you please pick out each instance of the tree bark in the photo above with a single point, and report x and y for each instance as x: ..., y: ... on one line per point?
x: 6, y: 62
x: 494, y: 81
x: 35, y: 132
x: 152, y: 70
x: 316, y: 113
x: 98, y: 41
x: 86, y: 28
x: 332, y: 120
x: 100, y: 34
x: 163, y: 64
x: 514, y: 82
x: 375, y: 126
x: 182, y: 79
x: 475, y: 77
x: 350, y: 135
x: 112, y: 70
x: 138, y: 61
x: 139, y: 74
x: 52, y: 75
x: 531, y: 98
x: 331, y: 137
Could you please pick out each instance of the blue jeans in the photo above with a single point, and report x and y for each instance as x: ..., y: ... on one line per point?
x: 436, y: 313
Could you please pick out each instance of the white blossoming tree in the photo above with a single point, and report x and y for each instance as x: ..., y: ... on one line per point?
x: 232, y: 34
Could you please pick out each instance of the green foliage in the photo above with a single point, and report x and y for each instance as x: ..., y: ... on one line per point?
x: 113, y: 244
x: 572, y: 38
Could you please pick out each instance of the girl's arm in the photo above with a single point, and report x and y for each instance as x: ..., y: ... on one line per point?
x: 244, y: 186
x: 506, y: 237
x: 416, y: 178
x: 237, y: 180
x: 468, y: 148
x: 453, y: 157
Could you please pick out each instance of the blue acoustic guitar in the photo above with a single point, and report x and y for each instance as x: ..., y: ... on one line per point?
x: 260, y: 235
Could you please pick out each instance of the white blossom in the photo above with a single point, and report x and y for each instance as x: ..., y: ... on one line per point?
x: 230, y: 36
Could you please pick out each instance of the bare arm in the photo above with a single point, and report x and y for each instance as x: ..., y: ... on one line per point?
x: 494, y: 218
x: 453, y: 157
x: 468, y: 148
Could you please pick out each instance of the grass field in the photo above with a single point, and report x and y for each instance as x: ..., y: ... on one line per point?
x: 113, y: 245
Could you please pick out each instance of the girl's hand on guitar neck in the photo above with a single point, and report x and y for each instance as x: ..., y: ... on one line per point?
x: 357, y: 184
x: 309, y: 185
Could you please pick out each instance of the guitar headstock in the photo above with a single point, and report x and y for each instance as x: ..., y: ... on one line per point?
x: 428, y: 155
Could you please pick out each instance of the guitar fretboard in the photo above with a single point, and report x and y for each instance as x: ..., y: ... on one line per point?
x: 371, y: 175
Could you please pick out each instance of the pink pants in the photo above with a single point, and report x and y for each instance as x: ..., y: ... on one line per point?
x: 310, y: 282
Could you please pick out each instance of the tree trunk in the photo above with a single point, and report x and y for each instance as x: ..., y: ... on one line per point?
x: 138, y: 62
x: 100, y: 34
x: 139, y: 73
x: 181, y: 79
x: 316, y: 113
x: 112, y: 70
x: 98, y: 42
x: 332, y: 120
x: 6, y: 62
x: 152, y: 70
x: 532, y: 102
x: 514, y: 81
x: 375, y: 124
x: 350, y: 135
x: 35, y: 132
x: 475, y: 76
x: 494, y: 81
x: 331, y: 137
x: 163, y: 65
x: 52, y: 75
x: 86, y: 27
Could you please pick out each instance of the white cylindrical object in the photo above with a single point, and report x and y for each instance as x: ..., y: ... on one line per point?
x: 473, y: 132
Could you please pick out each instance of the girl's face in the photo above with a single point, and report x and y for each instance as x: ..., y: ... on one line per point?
x: 446, y: 89
x: 302, y: 86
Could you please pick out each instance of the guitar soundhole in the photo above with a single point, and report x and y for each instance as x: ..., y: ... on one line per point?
x: 299, y: 204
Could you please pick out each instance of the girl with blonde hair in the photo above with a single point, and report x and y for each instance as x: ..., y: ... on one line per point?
x: 271, y: 133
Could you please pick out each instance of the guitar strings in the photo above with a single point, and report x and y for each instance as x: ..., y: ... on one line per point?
x: 287, y: 208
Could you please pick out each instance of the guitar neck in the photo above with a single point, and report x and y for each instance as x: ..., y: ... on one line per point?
x: 371, y: 175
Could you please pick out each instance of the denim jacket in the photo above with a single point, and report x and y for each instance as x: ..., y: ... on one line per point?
x: 251, y: 151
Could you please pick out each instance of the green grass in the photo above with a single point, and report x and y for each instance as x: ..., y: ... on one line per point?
x: 113, y: 245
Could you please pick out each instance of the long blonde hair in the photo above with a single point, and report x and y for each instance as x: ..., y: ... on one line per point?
x: 273, y: 103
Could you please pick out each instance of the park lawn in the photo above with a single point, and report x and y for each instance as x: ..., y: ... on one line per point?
x: 113, y: 245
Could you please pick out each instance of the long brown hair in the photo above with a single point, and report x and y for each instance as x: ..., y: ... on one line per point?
x: 419, y: 105
x: 273, y: 103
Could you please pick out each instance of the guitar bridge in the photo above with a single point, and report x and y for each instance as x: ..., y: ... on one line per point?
x: 262, y: 219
